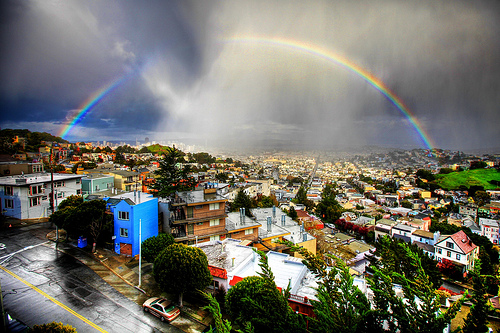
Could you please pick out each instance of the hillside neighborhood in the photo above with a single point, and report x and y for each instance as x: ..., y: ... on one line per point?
x: 291, y: 206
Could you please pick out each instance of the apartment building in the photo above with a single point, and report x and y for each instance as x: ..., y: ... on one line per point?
x: 489, y: 229
x: 28, y: 196
x: 198, y: 216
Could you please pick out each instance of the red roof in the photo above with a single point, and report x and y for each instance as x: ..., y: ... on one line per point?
x: 463, y: 241
x: 301, y: 213
x: 235, y: 280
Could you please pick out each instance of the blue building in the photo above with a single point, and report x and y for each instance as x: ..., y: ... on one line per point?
x: 129, y: 211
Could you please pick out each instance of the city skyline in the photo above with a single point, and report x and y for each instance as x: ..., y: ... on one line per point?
x: 255, y: 74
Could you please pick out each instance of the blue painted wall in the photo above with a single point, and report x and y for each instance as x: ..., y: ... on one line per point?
x: 146, y: 212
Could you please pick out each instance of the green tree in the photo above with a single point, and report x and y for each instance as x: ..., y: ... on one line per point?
x: 242, y: 200
x: 172, y: 175
x: 180, y: 268
x: 328, y: 208
x: 293, y: 213
x: 406, y: 204
x: 266, y: 201
x: 477, y: 318
x: 87, y: 218
x: 301, y: 196
x: 251, y: 299
x: 152, y: 246
x: 53, y: 327
x: 222, y: 177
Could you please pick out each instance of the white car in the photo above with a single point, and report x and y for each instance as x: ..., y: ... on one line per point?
x: 162, y: 308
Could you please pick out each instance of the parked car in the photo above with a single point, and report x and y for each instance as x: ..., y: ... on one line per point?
x: 162, y: 308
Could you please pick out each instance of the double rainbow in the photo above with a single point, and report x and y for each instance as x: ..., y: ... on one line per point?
x: 322, y: 53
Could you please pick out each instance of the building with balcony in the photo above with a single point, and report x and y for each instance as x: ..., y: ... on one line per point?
x: 28, y: 196
x: 198, y: 216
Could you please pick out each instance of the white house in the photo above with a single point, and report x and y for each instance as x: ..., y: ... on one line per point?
x: 457, y: 248
x: 28, y: 196
x: 489, y: 229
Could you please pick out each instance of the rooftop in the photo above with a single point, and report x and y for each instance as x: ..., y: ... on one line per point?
x: 199, y: 196
x: 132, y: 198
x: 35, y: 178
x: 233, y: 222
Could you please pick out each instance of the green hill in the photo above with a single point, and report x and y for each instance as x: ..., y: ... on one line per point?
x: 487, y: 178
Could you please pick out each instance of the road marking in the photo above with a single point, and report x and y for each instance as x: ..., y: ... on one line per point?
x: 10, y: 255
x: 53, y: 300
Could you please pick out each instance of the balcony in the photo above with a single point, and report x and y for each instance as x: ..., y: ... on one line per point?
x: 179, y: 216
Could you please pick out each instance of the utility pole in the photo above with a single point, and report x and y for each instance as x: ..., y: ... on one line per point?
x: 140, y: 251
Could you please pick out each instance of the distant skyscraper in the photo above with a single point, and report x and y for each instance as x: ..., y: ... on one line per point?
x: 146, y: 140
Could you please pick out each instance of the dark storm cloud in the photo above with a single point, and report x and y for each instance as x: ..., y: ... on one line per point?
x: 441, y: 58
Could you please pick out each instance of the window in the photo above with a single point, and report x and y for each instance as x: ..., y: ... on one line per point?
x: 248, y: 231
x: 458, y: 256
x: 123, y: 215
x: 214, y: 206
x: 123, y: 232
x: 59, y: 184
x: 199, y: 223
x: 9, y: 203
x: 37, y: 189
x: 214, y: 222
x: 448, y: 253
x: 440, y: 251
x: 78, y: 192
x: 216, y: 237
x: 216, y: 284
x: 449, y: 245
x: 34, y: 201
x: 60, y: 195
x: 78, y: 181
x: 9, y: 190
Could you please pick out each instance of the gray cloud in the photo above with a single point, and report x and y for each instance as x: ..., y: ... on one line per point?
x: 441, y: 58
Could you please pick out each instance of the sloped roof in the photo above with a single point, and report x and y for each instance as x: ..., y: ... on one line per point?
x: 463, y: 241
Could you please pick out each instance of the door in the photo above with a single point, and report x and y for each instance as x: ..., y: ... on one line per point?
x: 126, y: 249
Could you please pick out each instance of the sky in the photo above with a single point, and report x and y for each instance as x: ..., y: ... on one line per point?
x: 219, y: 72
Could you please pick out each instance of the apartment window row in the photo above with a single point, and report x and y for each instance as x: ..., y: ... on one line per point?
x: 214, y: 206
x: 214, y: 222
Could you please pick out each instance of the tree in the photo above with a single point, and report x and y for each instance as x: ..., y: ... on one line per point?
x: 180, y: 268
x: 293, y: 213
x: 53, y: 327
x: 266, y: 201
x: 251, y: 299
x: 301, y: 196
x: 87, y: 218
x: 477, y: 319
x: 172, y: 176
x: 222, y: 177
x: 406, y: 204
x: 328, y: 208
x: 242, y: 200
x: 152, y: 246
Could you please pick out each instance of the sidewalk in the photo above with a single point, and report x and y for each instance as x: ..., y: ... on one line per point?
x: 122, y: 273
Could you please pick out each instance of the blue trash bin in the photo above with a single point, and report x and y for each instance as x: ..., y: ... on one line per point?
x: 82, y: 242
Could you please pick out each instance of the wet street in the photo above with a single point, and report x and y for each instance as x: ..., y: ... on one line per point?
x: 41, y: 285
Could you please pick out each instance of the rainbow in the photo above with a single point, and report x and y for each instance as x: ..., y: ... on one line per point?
x: 91, y: 102
x: 322, y: 53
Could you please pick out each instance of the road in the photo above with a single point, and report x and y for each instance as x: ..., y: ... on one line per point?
x: 41, y: 285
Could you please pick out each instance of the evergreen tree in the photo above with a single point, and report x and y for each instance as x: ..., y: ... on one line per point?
x: 242, y: 200
x: 477, y: 319
x: 172, y: 176
x: 152, y: 246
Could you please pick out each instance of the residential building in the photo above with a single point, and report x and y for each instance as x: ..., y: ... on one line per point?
x: 489, y: 229
x: 383, y: 228
x: 135, y: 218
x: 28, y: 196
x: 276, y: 225
x: 468, y: 210
x: 458, y: 248
x: 198, y: 216
x: 95, y: 182
x: 16, y: 168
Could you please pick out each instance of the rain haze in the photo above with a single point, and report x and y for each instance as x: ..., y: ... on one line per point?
x: 244, y: 74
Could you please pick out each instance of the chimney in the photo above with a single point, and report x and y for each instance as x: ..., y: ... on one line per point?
x: 283, y: 219
x: 304, y: 236
x: 274, y: 212
x: 269, y: 223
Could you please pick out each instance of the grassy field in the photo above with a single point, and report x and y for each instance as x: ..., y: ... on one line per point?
x: 479, y: 177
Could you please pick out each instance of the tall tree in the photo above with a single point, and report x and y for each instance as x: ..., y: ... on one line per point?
x: 242, y: 200
x: 173, y: 174
x: 477, y: 319
x: 180, y: 268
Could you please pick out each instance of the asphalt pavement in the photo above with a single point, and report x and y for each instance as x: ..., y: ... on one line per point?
x: 119, y: 272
